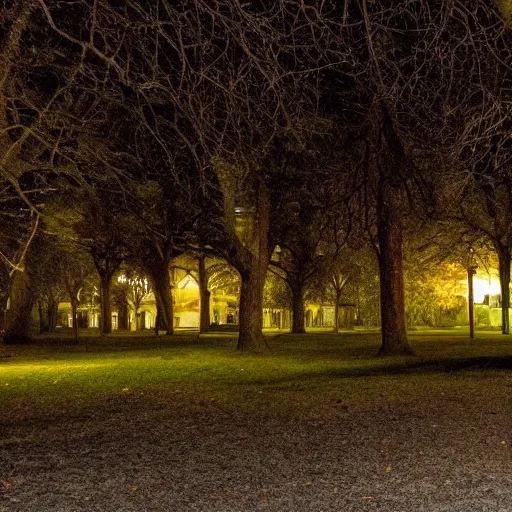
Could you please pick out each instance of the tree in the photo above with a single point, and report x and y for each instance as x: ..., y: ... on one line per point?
x: 360, y: 93
x: 340, y: 273
x: 487, y: 207
x: 227, y: 103
x: 52, y: 119
x: 442, y: 254
x: 296, y: 267
x: 162, y: 220
x: 312, y: 205
x: 477, y: 187
x: 49, y: 116
x: 367, y: 289
x: 204, y: 294
x: 132, y: 287
x: 434, y: 293
x: 12, y: 164
x: 76, y: 267
x: 17, y: 315
x: 18, y: 208
x: 48, y: 287
x: 101, y: 229
x: 276, y: 295
x: 404, y: 93
x: 59, y: 271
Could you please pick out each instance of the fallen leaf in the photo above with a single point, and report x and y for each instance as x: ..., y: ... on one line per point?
x: 5, y: 484
x: 388, y: 468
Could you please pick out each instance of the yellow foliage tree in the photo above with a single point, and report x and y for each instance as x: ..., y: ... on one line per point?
x: 435, y: 295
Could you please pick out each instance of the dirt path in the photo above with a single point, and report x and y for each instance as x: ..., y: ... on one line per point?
x: 440, y: 453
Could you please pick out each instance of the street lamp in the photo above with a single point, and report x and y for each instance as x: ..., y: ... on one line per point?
x: 471, y: 267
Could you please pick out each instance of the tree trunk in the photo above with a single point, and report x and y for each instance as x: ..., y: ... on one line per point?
x: 158, y: 318
x: 74, y: 319
x: 253, y: 273
x: 17, y: 317
x: 251, y: 308
x: 336, y: 327
x: 106, y: 309
x: 471, y: 308
x: 162, y: 288
x: 43, y: 317
x: 204, y: 293
x: 298, y: 320
x: 122, y: 316
x: 504, y: 268
x: 53, y: 313
x: 392, y: 297
x: 106, y: 263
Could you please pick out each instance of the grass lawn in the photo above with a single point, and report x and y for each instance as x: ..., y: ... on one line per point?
x: 317, y: 423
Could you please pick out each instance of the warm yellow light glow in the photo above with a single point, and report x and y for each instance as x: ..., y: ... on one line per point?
x: 187, y: 283
x: 136, y: 282
x: 80, y: 366
x: 482, y: 287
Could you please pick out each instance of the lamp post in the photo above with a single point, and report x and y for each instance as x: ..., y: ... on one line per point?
x: 471, y: 267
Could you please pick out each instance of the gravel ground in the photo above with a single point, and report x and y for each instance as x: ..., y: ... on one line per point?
x: 433, y: 453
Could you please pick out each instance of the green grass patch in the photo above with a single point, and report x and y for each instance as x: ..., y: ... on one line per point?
x: 313, y: 373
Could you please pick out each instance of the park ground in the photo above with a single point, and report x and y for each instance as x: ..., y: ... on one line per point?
x: 318, y: 423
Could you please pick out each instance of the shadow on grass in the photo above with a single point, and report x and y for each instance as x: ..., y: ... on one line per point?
x: 450, y: 365
x: 412, y: 368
